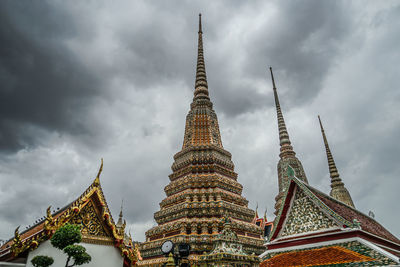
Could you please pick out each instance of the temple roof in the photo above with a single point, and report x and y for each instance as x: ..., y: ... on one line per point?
x: 346, y: 215
x: 367, y: 223
x: 316, y: 257
x: 91, y: 199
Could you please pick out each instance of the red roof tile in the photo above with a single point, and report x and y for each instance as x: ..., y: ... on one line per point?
x: 316, y: 257
x: 368, y: 224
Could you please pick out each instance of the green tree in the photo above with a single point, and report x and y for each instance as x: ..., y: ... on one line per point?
x: 65, y: 239
x: 42, y: 261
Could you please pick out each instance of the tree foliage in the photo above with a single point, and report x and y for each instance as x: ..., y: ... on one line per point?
x: 42, y: 261
x: 78, y: 254
x: 65, y: 239
x: 67, y: 235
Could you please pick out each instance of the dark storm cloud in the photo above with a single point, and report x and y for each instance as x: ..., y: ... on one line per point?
x: 301, y: 42
x: 300, y: 39
x: 85, y: 80
x: 43, y: 84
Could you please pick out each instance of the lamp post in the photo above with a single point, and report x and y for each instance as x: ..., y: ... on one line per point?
x: 179, y: 255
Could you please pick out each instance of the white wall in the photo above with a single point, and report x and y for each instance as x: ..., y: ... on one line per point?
x: 102, y: 256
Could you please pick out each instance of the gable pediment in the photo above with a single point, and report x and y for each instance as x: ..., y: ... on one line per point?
x: 305, y: 216
x: 91, y: 222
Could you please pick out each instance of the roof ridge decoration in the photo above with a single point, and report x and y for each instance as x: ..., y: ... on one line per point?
x: 55, y: 220
x: 338, y: 191
x: 18, y: 246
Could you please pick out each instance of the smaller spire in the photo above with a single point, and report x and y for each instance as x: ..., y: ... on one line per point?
x: 265, y: 215
x: 255, y: 214
x: 286, y: 147
x: 120, y: 222
x: 338, y: 190
x: 256, y: 211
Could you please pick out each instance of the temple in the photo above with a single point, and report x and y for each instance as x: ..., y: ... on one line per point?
x: 205, y: 212
x: 315, y: 229
x: 203, y: 187
x: 100, y: 235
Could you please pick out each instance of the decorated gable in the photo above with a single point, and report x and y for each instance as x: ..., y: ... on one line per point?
x: 305, y: 216
x: 92, y: 226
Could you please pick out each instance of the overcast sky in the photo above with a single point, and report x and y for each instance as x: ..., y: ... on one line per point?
x: 82, y: 80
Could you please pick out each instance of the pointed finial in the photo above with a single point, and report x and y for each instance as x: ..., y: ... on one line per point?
x: 16, y: 232
x: 120, y: 222
x: 200, y: 28
x: 338, y: 190
x: 97, y: 180
x: 17, y: 242
x: 265, y: 215
x: 170, y: 260
x: 122, y: 204
x: 255, y: 214
x: 332, y: 166
x: 256, y: 210
x: 286, y: 147
x: 273, y: 80
x: 201, y: 85
x: 100, y: 169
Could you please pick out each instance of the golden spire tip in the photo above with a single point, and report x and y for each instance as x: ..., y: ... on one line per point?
x: 101, y: 169
x: 97, y: 180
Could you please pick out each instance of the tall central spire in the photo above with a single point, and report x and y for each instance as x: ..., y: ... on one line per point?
x: 287, y: 154
x: 338, y: 190
x: 201, y: 85
x: 201, y: 122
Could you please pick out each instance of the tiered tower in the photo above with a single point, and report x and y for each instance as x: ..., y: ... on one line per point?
x: 203, y: 187
x: 287, y: 154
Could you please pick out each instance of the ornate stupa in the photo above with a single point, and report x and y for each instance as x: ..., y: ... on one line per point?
x: 287, y: 154
x: 203, y: 186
